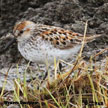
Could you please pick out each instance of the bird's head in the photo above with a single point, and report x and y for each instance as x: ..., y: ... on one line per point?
x: 22, y: 30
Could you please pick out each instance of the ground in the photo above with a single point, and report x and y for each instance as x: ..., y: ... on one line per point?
x: 68, y: 14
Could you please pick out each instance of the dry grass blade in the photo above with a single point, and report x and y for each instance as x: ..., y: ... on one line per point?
x: 80, y: 54
x: 3, y: 88
x: 83, y: 42
x: 101, y: 52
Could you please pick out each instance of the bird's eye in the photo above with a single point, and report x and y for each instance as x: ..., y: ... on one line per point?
x: 21, y: 31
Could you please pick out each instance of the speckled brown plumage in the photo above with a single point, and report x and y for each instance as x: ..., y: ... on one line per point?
x: 36, y: 42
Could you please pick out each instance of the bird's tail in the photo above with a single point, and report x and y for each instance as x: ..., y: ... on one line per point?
x: 91, y: 38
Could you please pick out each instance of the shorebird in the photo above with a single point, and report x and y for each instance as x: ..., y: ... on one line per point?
x: 39, y: 42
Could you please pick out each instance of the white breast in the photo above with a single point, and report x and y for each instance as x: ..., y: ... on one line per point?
x: 41, y: 51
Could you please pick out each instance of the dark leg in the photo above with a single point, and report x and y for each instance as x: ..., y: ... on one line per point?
x: 46, y: 74
x: 60, y: 66
x: 31, y: 63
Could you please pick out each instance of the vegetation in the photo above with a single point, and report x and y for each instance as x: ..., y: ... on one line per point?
x: 84, y: 85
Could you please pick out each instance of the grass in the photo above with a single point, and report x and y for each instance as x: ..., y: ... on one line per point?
x: 88, y: 84
x: 87, y: 87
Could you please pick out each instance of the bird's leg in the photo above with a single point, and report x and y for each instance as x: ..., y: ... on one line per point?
x: 46, y: 74
x: 30, y: 63
x: 38, y: 67
x: 47, y: 71
x: 60, y: 66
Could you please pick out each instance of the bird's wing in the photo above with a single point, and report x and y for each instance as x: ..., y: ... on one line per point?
x: 62, y: 38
